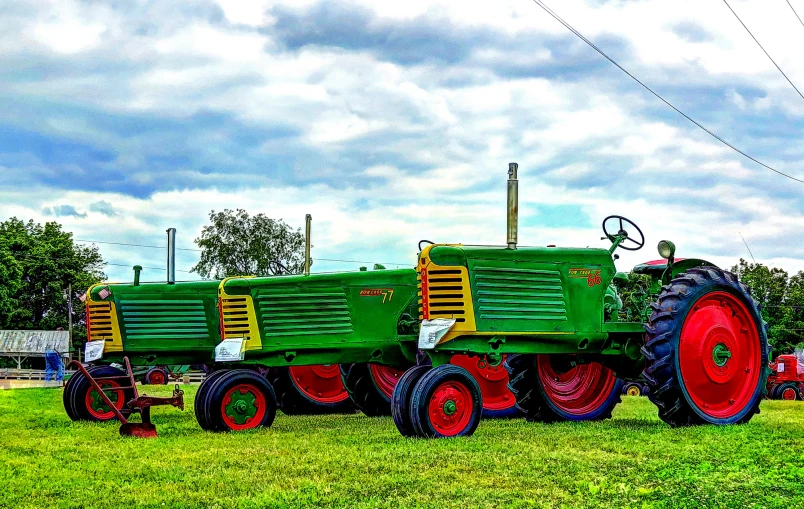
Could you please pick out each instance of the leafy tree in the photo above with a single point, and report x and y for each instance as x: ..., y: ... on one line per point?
x: 772, y: 290
x: 37, y: 264
x: 236, y: 244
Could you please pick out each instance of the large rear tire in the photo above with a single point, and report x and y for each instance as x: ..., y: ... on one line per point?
x: 310, y: 390
x: 370, y: 386
x: 551, y: 388
x: 706, y: 350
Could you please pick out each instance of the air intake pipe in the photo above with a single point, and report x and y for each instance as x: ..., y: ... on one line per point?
x: 513, y: 205
x: 171, y: 256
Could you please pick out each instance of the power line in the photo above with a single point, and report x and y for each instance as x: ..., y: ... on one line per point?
x: 136, y: 245
x: 763, y: 49
x: 748, y: 248
x: 794, y: 12
x: 39, y: 257
x: 604, y: 55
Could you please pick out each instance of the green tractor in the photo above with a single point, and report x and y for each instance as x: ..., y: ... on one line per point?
x: 548, y: 316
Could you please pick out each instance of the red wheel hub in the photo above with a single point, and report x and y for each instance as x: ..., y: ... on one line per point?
x: 450, y: 408
x: 95, y: 405
x: 321, y: 383
x: 720, y: 355
x: 578, y: 390
x: 243, y: 407
x: 789, y: 394
x: 158, y: 378
x: 385, y: 378
x: 493, y: 381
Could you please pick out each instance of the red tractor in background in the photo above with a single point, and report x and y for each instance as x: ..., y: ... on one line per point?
x: 787, y: 379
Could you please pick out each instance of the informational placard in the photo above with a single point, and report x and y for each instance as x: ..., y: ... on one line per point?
x: 231, y: 350
x: 93, y: 350
x: 432, y: 331
x: 780, y: 367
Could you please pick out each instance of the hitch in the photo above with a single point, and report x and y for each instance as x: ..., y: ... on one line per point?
x: 141, y: 404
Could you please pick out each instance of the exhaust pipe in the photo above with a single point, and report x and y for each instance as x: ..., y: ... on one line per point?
x: 171, y: 256
x: 513, y: 205
x: 308, y: 219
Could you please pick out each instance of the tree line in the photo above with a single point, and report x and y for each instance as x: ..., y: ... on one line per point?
x: 38, y: 263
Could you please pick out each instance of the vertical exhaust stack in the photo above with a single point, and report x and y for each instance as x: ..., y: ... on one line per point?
x: 171, y: 256
x: 513, y: 205
x: 308, y: 219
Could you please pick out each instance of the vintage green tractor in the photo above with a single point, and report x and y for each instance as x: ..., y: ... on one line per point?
x: 703, y: 350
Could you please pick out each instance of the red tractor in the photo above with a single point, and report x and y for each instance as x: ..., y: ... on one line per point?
x: 787, y: 379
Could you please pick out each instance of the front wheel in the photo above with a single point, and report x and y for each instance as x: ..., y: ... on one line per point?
x: 235, y: 400
x: 706, y: 350
x: 789, y: 392
x: 446, y: 402
x: 83, y: 403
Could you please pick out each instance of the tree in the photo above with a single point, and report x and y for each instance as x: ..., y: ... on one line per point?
x: 236, y: 244
x: 771, y: 289
x: 37, y: 265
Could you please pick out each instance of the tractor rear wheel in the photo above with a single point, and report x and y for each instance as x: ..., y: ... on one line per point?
x: 498, y: 401
x: 237, y: 399
x: 310, y: 390
x: 370, y: 386
x: 82, y: 401
x: 446, y: 402
x: 550, y: 388
x: 156, y: 376
x: 400, y: 399
x: 789, y: 392
x: 706, y: 350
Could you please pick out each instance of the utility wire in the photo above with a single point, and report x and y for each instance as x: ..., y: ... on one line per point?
x: 604, y: 55
x: 39, y: 257
x: 135, y: 245
x: 748, y: 248
x: 794, y: 12
x: 763, y: 49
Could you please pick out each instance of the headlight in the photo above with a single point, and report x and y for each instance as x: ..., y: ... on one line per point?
x: 666, y: 249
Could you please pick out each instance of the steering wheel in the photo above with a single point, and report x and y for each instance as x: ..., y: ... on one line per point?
x: 422, y: 242
x: 277, y: 268
x: 623, y: 224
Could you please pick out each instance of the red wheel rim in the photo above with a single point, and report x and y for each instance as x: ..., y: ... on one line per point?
x: 385, y: 378
x: 95, y: 405
x: 450, y: 408
x: 243, y: 407
x: 493, y: 381
x: 158, y: 378
x: 789, y: 394
x: 577, y: 391
x: 719, y: 355
x: 321, y: 383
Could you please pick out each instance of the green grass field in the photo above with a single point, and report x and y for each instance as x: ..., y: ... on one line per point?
x: 633, y: 460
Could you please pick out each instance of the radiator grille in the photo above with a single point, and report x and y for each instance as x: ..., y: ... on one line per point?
x: 444, y: 293
x: 101, y: 321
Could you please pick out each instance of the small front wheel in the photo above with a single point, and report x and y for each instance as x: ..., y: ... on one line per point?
x: 789, y: 392
x: 446, y: 402
x: 236, y: 400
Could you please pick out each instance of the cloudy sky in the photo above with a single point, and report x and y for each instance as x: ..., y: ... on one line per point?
x: 391, y: 122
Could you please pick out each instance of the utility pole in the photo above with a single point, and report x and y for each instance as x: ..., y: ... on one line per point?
x: 70, y: 319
